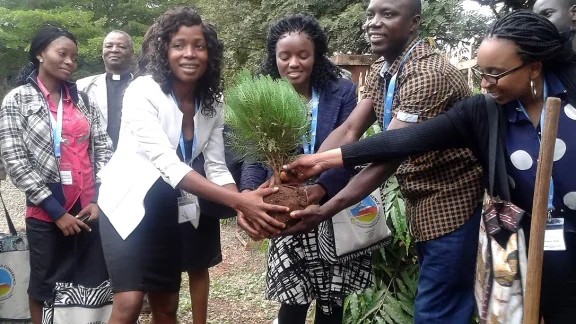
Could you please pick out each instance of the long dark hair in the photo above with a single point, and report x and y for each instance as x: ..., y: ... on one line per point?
x: 538, y: 40
x: 45, y: 35
x: 324, y: 71
x: 154, y: 55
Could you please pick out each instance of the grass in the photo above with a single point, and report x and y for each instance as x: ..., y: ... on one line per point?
x: 236, y: 286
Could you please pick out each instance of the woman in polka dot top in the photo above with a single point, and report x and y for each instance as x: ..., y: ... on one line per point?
x: 522, y: 61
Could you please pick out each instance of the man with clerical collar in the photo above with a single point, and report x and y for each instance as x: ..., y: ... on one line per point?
x: 562, y: 13
x: 107, y: 89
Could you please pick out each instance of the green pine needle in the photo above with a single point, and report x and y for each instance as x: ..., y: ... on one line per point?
x: 267, y: 119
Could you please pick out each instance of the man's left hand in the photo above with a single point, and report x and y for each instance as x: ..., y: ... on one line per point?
x: 310, y: 217
x: 315, y: 193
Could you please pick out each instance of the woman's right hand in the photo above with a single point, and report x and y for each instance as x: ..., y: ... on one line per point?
x: 71, y: 225
x: 256, y: 210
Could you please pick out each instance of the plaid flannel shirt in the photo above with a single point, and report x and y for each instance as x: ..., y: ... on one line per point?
x: 27, y: 146
x: 443, y: 188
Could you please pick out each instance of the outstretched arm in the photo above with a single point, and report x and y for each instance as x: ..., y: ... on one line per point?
x: 353, y: 128
x: 448, y: 130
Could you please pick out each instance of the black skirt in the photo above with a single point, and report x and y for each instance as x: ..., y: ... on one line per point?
x: 201, y: 248
x: 56, y: 258
x: 150, y: 258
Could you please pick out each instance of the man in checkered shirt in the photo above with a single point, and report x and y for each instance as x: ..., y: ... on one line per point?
x: 442, y: 189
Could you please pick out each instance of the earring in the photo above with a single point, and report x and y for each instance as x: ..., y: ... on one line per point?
x: 533, y: 88
x: 40, y: 60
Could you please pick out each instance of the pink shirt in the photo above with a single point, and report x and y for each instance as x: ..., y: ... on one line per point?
x: 74, y: 155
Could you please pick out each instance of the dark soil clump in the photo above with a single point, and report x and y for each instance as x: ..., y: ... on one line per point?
x: 292, y: 197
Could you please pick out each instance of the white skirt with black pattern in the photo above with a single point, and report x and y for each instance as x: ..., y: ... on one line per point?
x: 297, y: 274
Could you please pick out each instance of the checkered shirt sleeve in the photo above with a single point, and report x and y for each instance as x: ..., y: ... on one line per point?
x: 24, y: 166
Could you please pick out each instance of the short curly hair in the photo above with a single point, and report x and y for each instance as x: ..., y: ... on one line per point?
x: 153, y: 58
x: 324, y: 71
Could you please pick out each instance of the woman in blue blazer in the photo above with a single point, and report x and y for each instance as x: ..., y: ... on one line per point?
x: 296, y: 50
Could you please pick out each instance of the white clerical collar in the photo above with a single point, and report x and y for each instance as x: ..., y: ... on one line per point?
x: 116, y: 77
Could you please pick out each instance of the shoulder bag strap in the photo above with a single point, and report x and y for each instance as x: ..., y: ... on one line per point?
x: 504, y: 188
x: 492, y: 109
x: 85, y: 99
x: 8, y: 219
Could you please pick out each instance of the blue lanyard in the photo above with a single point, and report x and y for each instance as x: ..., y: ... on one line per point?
x: 390, y: 92
x: 551, y: 193
x: 309, y: 146
x: 57, y: 127
x: 182, y: 147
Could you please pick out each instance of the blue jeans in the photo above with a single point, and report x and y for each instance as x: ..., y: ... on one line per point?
x: 446, y: 283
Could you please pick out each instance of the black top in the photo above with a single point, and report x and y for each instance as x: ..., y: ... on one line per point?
x: 234, y: 164
x: 463, y: 126
x: 115, y: 89
x: 467, y: 124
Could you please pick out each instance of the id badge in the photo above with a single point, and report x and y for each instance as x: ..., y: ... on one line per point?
x: 66, y: 173
x: 554, y: 235
x: 188, y: 209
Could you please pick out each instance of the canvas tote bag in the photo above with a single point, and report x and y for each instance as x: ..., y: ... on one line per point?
x: 354, y: 231
x: 14, y: 274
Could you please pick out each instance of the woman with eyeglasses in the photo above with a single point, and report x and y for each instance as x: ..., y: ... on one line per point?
x: 522, y: 61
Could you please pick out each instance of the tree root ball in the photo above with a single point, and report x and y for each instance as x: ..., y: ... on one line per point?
x: 293, y: 197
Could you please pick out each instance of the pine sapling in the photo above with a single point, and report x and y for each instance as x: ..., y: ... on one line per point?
x: 268, y: 119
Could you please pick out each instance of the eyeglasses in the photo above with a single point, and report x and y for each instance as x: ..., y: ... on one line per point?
x: 493, y: 78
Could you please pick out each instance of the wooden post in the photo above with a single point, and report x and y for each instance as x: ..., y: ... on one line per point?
x: 539, y: 212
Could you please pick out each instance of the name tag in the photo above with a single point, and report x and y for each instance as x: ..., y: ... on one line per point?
x: 554, y: 235
x: 66, y: 173
x: 188, y: 209
x: 406, y: 117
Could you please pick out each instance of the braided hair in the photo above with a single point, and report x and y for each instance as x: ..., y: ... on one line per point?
x: 154, y: 55
x: 323, y: 71
x: 538, y: 40
x: 45, y: 35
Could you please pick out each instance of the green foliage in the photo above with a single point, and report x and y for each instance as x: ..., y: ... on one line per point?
x: 244, y: 32
x: 17, y: 28
x: 88, y: 20
x: 448, y: 23
x: 501, y: 7
x: 242, y: 25
x: 267, y: 119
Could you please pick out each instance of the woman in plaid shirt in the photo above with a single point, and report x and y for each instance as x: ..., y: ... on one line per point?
x: 53, y: 145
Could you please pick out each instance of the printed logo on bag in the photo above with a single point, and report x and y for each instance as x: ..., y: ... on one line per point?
x: 6, y: 282
x: 365, y: 214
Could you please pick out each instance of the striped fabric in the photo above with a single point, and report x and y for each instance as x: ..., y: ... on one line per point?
x: 78, y: 304
x: 442, y: 188
x: 289, y: 282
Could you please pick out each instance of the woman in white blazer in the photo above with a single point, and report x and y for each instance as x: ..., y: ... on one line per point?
x: 170, y: 115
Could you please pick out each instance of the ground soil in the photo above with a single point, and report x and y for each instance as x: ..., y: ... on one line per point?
x: 293, y: 197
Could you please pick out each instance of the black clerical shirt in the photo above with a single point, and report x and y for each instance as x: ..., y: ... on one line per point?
x: 115, y: 86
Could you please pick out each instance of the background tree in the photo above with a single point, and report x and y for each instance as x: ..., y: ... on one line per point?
x: 88, y: 20
x: 241, y: 24
x: 501, y: 7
